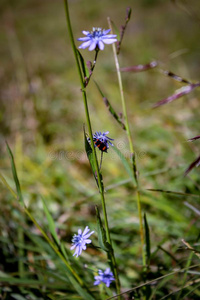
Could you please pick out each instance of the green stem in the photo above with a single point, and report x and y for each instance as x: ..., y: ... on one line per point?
x: 101, y: 159
x: 101, y: 190
x: 130, y: 146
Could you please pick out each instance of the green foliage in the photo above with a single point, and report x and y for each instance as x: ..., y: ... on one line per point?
x: 14, y: 172
x: 42, y: 118
x: 84, y: 68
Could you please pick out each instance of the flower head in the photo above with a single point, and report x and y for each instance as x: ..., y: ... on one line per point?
x: 80, y: 240
x: 96, y: 39
x: 101, y: 140
x: 105, y: 277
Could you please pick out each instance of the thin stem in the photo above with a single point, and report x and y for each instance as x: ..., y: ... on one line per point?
x: 130, y: 146
x: 101, y: 189
x: 92, y: 67
x: 101, y: 160
x: 95, y: 59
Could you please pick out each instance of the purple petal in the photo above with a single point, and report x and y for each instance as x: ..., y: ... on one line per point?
x: 77, y: 251
x: 101, y: 45
x: 109, y: 36
x: 85, y: 32
x: 92, y: 46
x: 88, y: 235
x: 84, y: 39
x: 88, y: 241
x: 106, y: 31
x: 109, y: 41
x: 86, y: 230
x: 85, y: 45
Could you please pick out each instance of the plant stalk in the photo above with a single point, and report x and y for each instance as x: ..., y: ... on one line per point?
x: 127, y: 128
x: 101, y: 190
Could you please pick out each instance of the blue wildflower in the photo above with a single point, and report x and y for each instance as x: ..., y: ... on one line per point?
x: 105, y: 277
x: 96, y: 39
x: 102, y: 141
x: 80, y: 240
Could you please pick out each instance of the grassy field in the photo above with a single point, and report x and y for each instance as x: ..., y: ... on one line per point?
x: 42, y: 117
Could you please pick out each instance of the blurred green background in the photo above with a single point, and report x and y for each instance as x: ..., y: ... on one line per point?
x: 42, y: 116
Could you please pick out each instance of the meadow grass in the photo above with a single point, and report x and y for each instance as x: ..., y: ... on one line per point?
x: 144, y: 213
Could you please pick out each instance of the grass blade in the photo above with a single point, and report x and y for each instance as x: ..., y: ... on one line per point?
x: 83, y: 65
x: 7, y: 185
x: 140, y: 68
x: 195, y: 163
x: 175, y: 77
x: 110, y: 108
x: 123, y: 28
x: 14, y: 172
x: 148, y: 241
x: 174, y: 192
x: 101, y: 233
x: 91, y: 159
x: 194, y: 138
x: 179, y: 93
x: 51, y: 223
